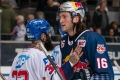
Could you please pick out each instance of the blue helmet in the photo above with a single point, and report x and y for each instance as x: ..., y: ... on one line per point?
x: 36, y: 27
x: 61, y: 32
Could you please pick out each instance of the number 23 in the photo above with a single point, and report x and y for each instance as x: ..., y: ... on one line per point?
x: 19, y: 74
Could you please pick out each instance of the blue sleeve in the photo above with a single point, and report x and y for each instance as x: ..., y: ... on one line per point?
x: 98, y: 57
x: 68, y: 71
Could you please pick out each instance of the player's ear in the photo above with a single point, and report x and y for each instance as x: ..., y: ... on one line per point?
x: 76, y: 19
x: 43, y: 36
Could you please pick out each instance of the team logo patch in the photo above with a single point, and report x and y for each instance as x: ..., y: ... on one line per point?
x: 82, y: 43
x: 62, y: 43
x: 77, y: 5
x: 100, y: 48
x: 21, y: 60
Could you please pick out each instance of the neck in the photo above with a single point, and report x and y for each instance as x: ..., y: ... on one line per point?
x: 35, y: 43
x: 71, y: 32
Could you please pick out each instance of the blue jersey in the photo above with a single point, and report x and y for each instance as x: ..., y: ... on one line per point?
x: 95, y: 56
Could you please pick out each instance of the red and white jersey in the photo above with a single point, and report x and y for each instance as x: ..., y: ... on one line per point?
x: 32, y: 64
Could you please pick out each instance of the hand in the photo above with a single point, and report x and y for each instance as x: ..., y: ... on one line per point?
x: 75, y: 55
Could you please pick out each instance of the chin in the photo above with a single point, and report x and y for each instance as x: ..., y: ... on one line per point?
x: 63, y: 29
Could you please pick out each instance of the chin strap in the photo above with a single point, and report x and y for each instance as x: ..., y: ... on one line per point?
x: 73, y: 36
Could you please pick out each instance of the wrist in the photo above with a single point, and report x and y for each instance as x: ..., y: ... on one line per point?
x: 71, y: 64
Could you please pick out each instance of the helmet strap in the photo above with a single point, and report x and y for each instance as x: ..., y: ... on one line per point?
x: 74, y: 24
x: 42, y: 40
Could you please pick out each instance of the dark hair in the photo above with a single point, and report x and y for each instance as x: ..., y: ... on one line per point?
x: 114, y: 22
x: 102, y: 2
x: 80, y: 26
x: 48, y: 44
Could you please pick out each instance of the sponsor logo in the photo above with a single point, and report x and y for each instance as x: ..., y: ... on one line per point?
x: 21, y: 60
x: 82, y: 43
x: 70, y: 42
x: 43, y: 27
x: 100, y: 48
x: 38, y: 21
x: 55, y: 53
x: 62, y: 43
x: 77, y: 5
x: 114, y: 55
x: 46, y: 61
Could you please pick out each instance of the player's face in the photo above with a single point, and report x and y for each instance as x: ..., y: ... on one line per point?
x: 66, y: 22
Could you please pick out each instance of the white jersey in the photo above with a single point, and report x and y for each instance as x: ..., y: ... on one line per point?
x: 32, y: 64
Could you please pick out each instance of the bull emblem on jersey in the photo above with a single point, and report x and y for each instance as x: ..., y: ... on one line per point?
x: 21, y: 60
x: 81, y: 65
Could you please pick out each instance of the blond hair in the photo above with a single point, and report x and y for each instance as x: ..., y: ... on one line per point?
x: 21, y: 17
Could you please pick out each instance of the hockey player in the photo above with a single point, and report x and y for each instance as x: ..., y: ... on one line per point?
x: 95, y: 63
x: 32, y: 64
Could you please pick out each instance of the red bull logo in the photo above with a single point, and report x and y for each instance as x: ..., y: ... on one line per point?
x: 77, y: 5
x: 100, y: 48
x: 81, y: 65
x: 82, y: 43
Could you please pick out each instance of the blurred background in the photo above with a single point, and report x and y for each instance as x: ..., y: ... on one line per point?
x: 101, y: 16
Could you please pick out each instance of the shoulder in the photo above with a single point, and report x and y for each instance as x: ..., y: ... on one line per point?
x: 65, y: 37
x: 94, y: 36
x: 34, y: 52
x: 97, y: 11
x: 57, y: 47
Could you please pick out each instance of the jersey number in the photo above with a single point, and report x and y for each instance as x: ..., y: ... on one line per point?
x: 102, y: 63
x: 19, y: 74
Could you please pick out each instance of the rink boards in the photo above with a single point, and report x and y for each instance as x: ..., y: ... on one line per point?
x: 11, y: 49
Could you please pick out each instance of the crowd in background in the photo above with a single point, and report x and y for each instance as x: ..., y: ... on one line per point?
x: 13, y: 22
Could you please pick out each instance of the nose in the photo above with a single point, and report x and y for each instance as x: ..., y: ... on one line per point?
x: 61, y: 20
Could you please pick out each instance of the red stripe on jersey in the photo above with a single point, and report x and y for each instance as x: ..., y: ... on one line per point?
x: 34, y: 48
x: 61, y: 71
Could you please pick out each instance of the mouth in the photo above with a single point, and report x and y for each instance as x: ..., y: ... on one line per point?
x: 62, y: 25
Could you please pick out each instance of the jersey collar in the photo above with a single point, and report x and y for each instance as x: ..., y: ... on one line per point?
x: 71, y: 42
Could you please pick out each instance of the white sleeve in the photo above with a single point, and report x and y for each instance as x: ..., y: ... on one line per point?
x: 58, y: 56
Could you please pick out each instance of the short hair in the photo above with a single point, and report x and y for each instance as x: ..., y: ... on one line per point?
x: 103, y: 1
x: 40, y: 14
x: 29, y: 17
x: 21, y: 17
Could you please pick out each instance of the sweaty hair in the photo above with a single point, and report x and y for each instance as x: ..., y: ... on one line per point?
x: 80, y: 26
x: 48, y: 44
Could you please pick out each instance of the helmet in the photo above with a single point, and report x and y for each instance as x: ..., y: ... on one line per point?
x: 61, y: 32
x: 36, y: 27
x: 73, y: 8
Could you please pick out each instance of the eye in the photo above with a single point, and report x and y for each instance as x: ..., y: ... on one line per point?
x: 64, y: 16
